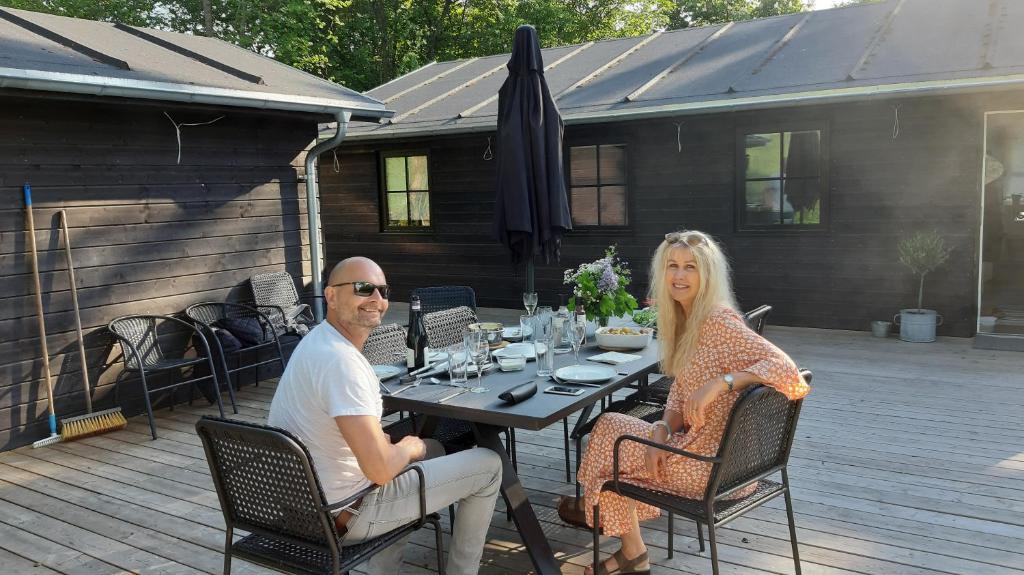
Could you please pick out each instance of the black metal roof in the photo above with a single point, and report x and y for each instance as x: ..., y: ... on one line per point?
x: 893, y: 47
x: 46, y: 52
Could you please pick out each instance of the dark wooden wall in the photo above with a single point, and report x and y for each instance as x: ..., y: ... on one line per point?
x: 881, y: 187
x: 148, y: 235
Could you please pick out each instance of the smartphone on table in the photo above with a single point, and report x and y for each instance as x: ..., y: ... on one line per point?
x: 562, y: 390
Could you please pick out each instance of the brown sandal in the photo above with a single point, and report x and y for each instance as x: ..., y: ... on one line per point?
x: 625, y: 566
x: 570, y: 509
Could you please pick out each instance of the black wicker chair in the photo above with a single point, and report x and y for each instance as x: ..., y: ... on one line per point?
x: 386, y: 344
x: 140, y: 346
x: 267, y: 486
x: 207, y: 315
x: 443, y: 297
x: 276, y: 296
x: 756, y: 444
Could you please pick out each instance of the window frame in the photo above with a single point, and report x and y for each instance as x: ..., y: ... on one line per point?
x: 385, y: 226
x: 626, y: 183
x: 739, y: 195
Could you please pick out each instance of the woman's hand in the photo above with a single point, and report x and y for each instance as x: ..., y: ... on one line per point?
x: 655, y: 459
x: 696, y: 405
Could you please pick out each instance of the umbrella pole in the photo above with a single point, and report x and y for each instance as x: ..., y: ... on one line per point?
x: 529, y: 275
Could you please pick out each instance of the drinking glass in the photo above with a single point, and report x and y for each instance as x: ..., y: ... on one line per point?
x: 458, y: 363
x: 579, y: 333
x: 530, y: 301
x: 526, y: 328
x: 542, y: 322
x: 479, y: 349
x: 545, y: 356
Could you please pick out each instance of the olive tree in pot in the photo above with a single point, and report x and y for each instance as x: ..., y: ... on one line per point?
x: 922, y: 253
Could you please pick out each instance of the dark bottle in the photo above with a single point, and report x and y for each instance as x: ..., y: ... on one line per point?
x: 416, y: 340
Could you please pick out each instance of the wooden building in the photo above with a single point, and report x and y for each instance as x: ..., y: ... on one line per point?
x: 809, y: 144
x: 179, y: 160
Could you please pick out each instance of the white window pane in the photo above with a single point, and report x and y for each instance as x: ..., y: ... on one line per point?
x: 583, y: 166
x: 762, y: 155
x: 584, y: 206
x: 419, y: 206
x: 418, y: 173
x: 394, y: 174
x: 398, y: 210
x: 613, y: 206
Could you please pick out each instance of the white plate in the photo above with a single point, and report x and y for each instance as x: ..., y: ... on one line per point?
x: 515, y: 333
x: 386, y: 371
x: 584, y: 373
x: 524, y: 349
x: 436, y: 356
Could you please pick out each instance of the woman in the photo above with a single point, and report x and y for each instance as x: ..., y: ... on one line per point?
x: 713, y: 355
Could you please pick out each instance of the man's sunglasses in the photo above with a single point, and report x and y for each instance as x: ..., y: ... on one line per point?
x: 365, y: 289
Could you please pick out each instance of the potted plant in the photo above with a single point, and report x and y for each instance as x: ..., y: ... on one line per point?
x: 921, y: 253
x: 600, y: 287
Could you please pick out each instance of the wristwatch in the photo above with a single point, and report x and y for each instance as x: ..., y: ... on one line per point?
x: 729, y: 380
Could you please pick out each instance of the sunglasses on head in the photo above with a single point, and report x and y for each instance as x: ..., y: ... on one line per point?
x: 688, y: 238
x: 365, y: 289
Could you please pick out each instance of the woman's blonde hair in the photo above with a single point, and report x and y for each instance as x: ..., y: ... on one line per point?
x: 677, y: 333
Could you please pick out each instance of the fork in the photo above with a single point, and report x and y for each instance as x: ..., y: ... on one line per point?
x: 416, y: 383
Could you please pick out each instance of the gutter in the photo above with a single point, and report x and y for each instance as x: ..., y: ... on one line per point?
x: 313, y: 209
x: 171, y: 92
x: 816, y: 97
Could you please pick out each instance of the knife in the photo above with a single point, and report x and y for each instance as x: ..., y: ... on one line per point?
x: 456, y: 394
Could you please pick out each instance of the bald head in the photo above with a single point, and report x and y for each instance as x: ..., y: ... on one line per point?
x: 349, y: 268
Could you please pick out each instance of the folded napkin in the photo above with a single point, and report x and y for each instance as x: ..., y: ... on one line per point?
x: 519, y: 393
x: 614, y: 357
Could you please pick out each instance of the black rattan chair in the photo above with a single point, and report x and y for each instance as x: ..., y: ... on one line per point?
x: 386, y: 344
x: 140, y: 346
x: 207, y: 315
x: 756, y: 444
x: 446, y: 327
x: 267, y: 486
x: 443, y: 297
x: 276, y: 296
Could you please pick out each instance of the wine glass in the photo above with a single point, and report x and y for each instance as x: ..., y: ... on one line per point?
x: 578, y: 336
x: 530, y: 301
x: 479, y: 349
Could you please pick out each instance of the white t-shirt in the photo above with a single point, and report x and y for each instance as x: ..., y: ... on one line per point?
x: 327, y: 377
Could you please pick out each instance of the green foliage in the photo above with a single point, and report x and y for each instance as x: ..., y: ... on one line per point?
x: 600, y: 287
x: 646, y: 317
x: 922, y: 253
x: 364, y: 43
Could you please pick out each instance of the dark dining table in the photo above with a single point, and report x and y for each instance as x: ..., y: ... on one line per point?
x: 490, y: 416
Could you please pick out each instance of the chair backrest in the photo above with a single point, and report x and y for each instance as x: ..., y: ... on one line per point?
x: 757, y: 317
x: 274, y: 288
x: 757, y: 439
x: 445, y: 327
x: 206, y: 313
x: 386, y: 344
x: 140, y: 332
x: 266, y: 482
x: 440, y: 298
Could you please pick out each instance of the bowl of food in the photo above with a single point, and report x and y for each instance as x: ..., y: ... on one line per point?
x: 491, y: 329
x: 623, y: 338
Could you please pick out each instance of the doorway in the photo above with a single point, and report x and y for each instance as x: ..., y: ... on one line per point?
x: 1001, y: 282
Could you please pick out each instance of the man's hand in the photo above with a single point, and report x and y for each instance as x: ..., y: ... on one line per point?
x: 414, y: 446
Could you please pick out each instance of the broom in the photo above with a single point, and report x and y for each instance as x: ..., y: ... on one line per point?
x: 90, y: 423
x: 53, y: 438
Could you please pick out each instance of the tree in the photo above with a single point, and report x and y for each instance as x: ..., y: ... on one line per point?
x: 688, y: 13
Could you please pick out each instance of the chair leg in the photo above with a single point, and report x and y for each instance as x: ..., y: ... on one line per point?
x: 579, y: 449
x: 700, y: 536
x: 451, y: 516
x: 227, y: 379
x: 671, y: 534
x: 597, y: 535
x: 149, y: 404
x: 792, y: 521
x: 227, y: 551
x: 439, y: 541
x: 512, y: 439
x: 568, y: 464
x: 216, y: 388
x: 714, y: 547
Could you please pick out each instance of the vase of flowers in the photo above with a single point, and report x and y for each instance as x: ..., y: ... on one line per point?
x: 600, y: 287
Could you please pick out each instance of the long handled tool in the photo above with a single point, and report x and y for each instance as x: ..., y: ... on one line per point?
x: 90, y: 423
x: 54, y: 438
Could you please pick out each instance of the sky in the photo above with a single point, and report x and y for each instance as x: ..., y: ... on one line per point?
x: 819, y: 4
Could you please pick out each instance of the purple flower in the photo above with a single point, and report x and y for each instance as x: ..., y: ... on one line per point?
x: 609, y: 281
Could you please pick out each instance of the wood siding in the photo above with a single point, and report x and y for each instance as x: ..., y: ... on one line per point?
x: 148, y: 235
x: 880, y: 187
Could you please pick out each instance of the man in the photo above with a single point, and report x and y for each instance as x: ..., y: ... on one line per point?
x: 329, y: 397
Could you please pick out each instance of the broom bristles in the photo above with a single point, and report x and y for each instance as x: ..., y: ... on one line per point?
x: 92, y: 424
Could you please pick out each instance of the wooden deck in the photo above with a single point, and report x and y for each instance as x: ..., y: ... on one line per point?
x: 909, y: 459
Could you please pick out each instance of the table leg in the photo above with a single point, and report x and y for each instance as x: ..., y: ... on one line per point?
x: 529, y: 528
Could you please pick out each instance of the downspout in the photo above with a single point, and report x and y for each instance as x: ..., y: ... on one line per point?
x: 313, y: 209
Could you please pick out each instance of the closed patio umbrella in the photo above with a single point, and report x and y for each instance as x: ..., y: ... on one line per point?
x: 531, y: 209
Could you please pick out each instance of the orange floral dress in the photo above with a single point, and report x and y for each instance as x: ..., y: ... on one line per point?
x: 725, y: 345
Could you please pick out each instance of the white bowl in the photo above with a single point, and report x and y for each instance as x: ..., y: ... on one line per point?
x: 639, y: 339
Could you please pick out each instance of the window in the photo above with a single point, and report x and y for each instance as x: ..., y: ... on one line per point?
x: 406, y: 192
x: 782, y: 182
x: 597, y: 185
